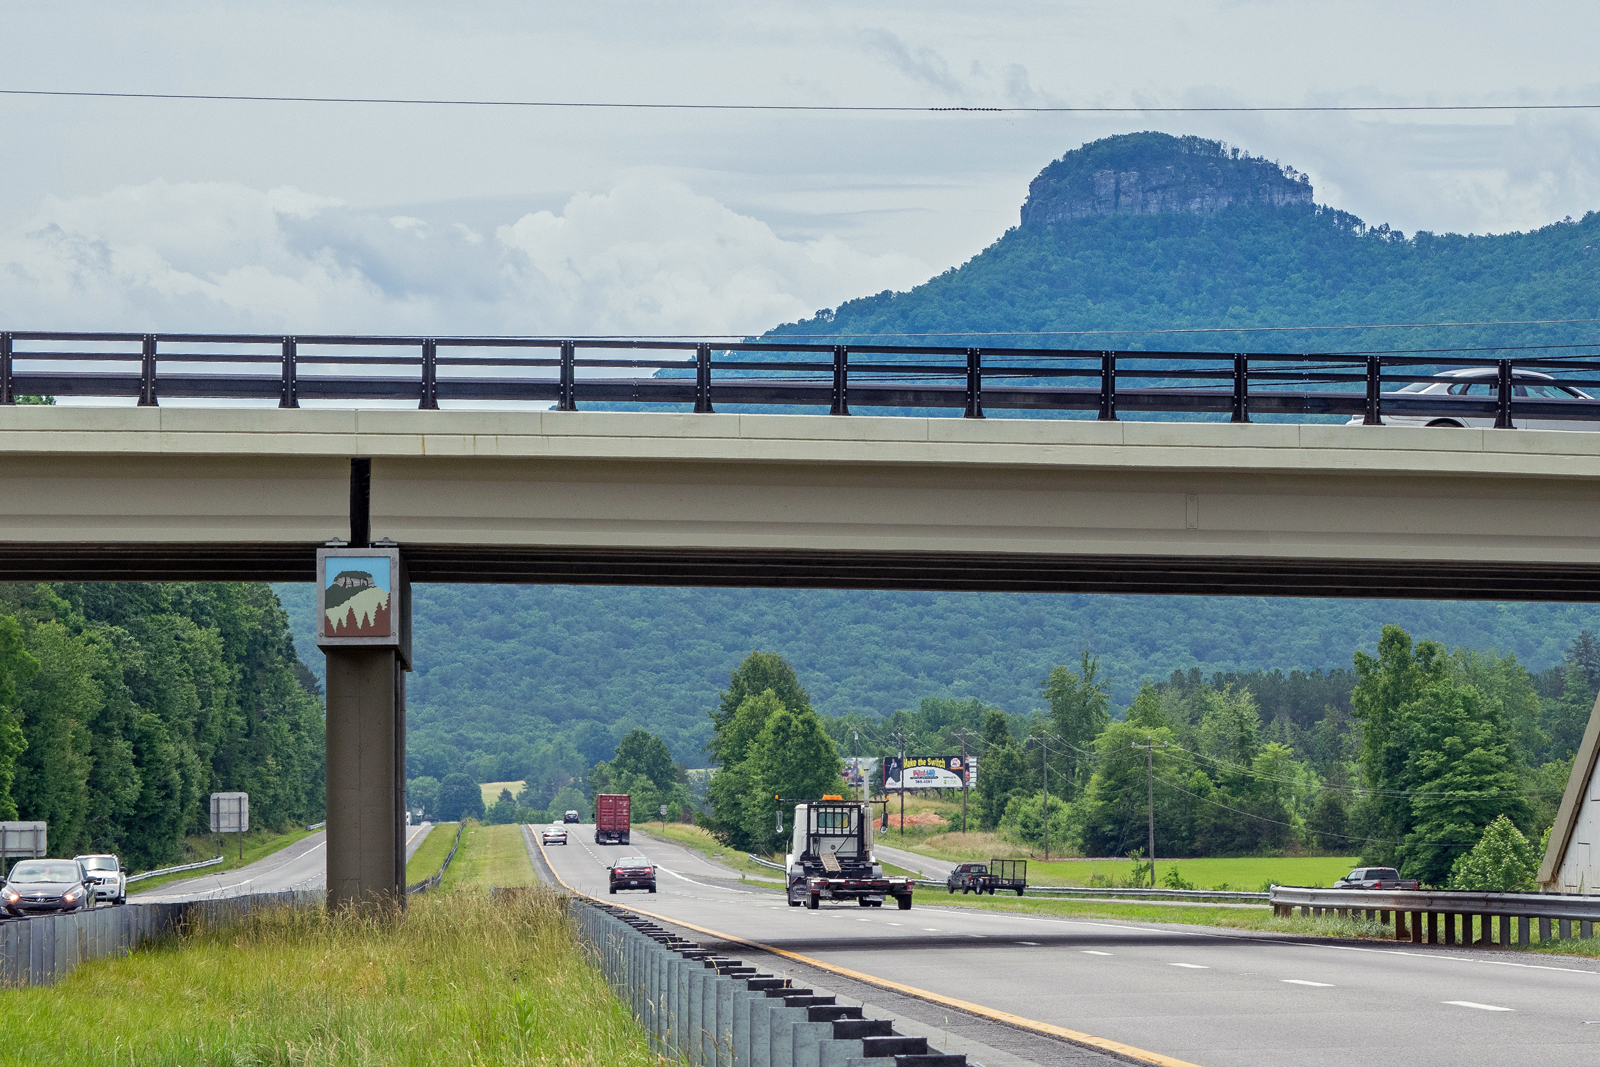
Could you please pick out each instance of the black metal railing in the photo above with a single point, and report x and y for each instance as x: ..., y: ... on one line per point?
x: 573, y: 372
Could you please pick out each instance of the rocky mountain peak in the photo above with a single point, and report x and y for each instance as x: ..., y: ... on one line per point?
x: 1157, y: 173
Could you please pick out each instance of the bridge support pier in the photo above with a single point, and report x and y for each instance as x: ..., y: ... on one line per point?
x: 366, y: 723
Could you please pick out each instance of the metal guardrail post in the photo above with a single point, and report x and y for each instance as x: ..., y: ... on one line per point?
x: 6, y: 395
x: 1502, y: 407
x: 289, y: 396
x: 1108, y: 387
x: 702, y: 379
x: 1241, y: 388
x: 430, y: 376
x: 566, y: 389
x: 147, y: 373
x: 841, y: 381
x: 974, y: 384
x: 1374, y: 415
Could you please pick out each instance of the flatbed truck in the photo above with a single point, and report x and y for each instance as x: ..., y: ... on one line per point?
x: 830, y: 857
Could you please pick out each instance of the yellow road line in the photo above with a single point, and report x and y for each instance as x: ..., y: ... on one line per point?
x: 1075, y: 1036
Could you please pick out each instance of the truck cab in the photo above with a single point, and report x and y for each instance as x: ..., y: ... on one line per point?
x: 830, y: 857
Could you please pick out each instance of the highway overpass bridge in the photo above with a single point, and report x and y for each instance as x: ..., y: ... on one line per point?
x: 164, y: 493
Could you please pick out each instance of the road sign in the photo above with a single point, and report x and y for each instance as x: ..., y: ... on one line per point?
x: 230, y: 813
x: 663, y: 811
x: 22, y: 840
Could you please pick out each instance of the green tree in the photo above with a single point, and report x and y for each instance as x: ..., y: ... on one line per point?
x: 16, y: 665
x: 759, y: 672
x: 794, y: 759
x: 1079, y: 709
x: 503, y: 810
x: 422, y: 792
x: 459, y: 798
x: 643, y: 753
x: 1502, y: 861
x: 1000, y: 772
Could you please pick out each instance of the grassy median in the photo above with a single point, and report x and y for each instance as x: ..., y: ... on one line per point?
x: 434, y: 848
x: 458, y: 981
x: 489, y: 856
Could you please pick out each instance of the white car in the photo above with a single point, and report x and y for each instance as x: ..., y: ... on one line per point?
x: 110, y: 880
x: 1482, y: 383
x: 555, y: 835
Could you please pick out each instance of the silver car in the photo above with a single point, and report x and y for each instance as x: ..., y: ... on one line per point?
x: 1481, y: 383
x: 105, y: 873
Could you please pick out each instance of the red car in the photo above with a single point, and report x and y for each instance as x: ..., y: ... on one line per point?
x: 633, y: 872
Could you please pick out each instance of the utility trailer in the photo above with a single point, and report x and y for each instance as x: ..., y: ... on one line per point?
x: 983, y: 878
x: 830, y: 857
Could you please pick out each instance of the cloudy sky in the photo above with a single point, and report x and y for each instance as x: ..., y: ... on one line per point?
x: 173, y: 215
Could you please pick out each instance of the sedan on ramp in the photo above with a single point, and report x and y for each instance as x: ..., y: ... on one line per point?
x: 633, y: 872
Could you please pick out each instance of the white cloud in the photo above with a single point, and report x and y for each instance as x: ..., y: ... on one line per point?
x: 645, y: 257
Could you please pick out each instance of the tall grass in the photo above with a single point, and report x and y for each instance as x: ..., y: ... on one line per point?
x: 457, y: 981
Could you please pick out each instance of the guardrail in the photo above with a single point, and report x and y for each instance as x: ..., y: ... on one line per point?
x: 1462, y: 918
x: 159, y: 871
x: 699, y: 1007
x: 1124, y: 894
x: 764, y: 862
x: 46, y: 948
x: 317, y: 825
x: 432, y: 881
x: 835, y: 378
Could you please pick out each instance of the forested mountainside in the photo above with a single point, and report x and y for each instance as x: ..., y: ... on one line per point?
x: 519, y: 682
x: 1144, y: 231
x: 1147, y: 231
x: 124, y: 705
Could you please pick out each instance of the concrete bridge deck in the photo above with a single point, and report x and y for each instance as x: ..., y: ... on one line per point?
x: 733, y: 499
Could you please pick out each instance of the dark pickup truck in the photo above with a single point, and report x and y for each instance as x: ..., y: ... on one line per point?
x: 987, y: 877
x: 1375, y: 878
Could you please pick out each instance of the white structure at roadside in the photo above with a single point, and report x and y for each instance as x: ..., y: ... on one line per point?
x: 1572, y: 859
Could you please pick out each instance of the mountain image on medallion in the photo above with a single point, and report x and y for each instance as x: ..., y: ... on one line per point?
x: 356, y: 602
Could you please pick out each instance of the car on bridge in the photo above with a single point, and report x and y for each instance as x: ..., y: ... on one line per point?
x: 1375, y: 878
x: 1481, y: 383
x: 110, y: 880
x: 554, y: 835
x: 36, y: 886
x: 633, y: 872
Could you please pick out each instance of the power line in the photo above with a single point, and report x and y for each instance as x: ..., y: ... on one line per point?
x: 883, y: 109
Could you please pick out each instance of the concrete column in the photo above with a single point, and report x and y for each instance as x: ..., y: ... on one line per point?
x: 366, y: 724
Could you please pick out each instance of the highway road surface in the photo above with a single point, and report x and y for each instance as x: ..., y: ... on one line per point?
x: 1198, y: 995
x: 302, y: 865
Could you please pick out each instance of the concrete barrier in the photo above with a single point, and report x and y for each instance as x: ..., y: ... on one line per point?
x: 708, y: 1010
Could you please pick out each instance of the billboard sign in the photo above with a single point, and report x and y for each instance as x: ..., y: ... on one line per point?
x: 924, y: 772
x: 23, y: 840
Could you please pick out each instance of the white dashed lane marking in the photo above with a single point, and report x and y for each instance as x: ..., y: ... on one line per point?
x: 1302, y: 981
x: 1191, y: 966
x: 1474, y: 1004
x: 1092, y: 952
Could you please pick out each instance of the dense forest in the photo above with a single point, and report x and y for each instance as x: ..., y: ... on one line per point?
x: 123, y: 706
x: 539, y: 683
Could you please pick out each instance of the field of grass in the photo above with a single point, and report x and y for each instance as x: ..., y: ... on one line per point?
x: 1249, y: 873
x: 434, y: 848
x: 258, y: 844
x: 491, y: 790
x: 489, y: 856
x: 459, y: 981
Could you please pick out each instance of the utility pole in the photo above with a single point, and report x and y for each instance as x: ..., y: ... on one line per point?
x: 966, y: 775
x: 855, y: 755
x: 900, y: 739
x: 1044, y: 763
x: 1150, y: 785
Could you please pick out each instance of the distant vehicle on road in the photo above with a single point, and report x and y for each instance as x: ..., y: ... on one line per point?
x: 831, y: 858
x: 633, y: 872
x: 571, y: 816
x: 1375, y: 878
x: 37, y: 886
x: 1482, y: 383
x: 612, y: 814
x: 554, y: 835
x: 987, y: 877
x: 110, y: 880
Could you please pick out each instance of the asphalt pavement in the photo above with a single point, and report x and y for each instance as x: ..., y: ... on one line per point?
x: 302, y: 865
x: 1202, y: 995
